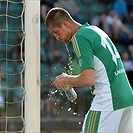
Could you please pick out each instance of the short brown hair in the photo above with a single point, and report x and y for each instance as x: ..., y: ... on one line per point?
x: 55, y: 17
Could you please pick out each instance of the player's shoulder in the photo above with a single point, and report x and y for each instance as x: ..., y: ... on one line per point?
x: 86, y: 29
x: 86, y: 32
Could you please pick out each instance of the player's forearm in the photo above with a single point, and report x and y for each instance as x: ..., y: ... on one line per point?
x: 75, y: 81
x: 80, y: 80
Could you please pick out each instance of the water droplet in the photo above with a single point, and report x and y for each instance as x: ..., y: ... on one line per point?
x: 79, y: 123
x: 61, y: 93
x: 56, y: 91
x: 58, y: 100
x: 74, y: 113
x: 69, y: 109
x: 52, y: 92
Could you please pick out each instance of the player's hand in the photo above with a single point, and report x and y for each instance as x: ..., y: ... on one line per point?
x: 60, y: 81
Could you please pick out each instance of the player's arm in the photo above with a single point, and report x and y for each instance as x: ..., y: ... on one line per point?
x: 85, y: 78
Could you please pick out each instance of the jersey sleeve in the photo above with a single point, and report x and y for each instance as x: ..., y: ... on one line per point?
x: 84, y: 53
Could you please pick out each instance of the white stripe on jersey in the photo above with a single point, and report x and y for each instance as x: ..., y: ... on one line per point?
x: 103, y: 99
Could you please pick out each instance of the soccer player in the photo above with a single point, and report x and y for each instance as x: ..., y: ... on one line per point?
x: 101, y: 69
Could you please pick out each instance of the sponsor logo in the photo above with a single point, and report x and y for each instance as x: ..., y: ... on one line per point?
x: 119, y: 72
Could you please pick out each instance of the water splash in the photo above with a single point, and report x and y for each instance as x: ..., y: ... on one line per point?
x: 52, y: 94
x: 69, y: 61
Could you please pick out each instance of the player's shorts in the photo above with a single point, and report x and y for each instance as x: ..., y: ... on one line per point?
x: 118, y: 121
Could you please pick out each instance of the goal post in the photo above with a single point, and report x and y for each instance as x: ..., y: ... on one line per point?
x: 32, y: 61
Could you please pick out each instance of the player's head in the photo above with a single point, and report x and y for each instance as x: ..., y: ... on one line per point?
x: 59, y: 22
x: 56, y: 15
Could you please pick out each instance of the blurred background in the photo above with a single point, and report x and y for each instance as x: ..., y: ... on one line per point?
x: 58, y: 115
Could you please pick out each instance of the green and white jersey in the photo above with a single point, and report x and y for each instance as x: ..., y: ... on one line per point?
x: 94, y: 49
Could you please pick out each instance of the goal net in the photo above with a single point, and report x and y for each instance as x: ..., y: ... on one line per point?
x: 14, y: 66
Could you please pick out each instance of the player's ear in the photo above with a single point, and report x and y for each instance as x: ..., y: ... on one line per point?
x: 66, y: 24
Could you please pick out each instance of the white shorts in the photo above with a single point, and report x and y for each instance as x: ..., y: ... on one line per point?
x: 118, y: 121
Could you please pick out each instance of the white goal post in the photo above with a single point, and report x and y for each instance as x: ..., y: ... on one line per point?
x: 32, y: 61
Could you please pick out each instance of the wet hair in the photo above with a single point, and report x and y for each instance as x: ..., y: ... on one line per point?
x: 56, y: 15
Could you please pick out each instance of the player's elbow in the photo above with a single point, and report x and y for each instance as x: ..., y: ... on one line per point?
x: 89, y: 82
x: 87, y: 77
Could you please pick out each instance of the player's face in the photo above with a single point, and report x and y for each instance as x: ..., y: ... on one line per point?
x: 61, y: 33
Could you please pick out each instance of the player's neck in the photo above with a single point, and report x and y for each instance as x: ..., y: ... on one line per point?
x: 75, y: 27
